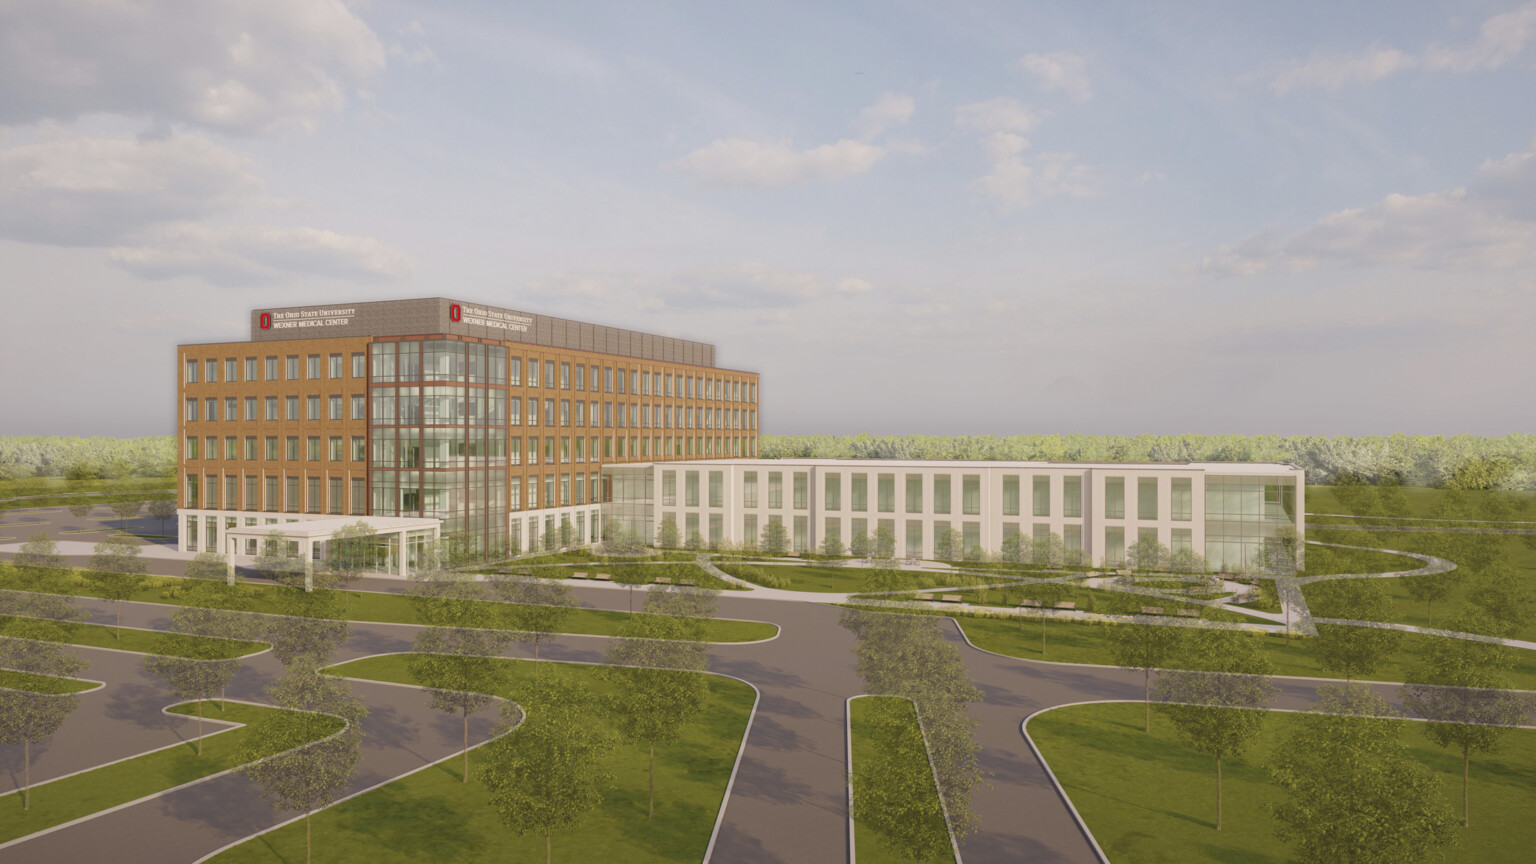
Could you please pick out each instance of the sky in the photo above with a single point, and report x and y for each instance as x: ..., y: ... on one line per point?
x: 909, y: 217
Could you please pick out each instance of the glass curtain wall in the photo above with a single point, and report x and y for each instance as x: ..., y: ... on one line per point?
x: 439, y: 437
x: 1240, y: 512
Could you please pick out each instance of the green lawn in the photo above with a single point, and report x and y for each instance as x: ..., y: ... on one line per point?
x: 1406, y: 610
x: 1078, y: 642
x: 397, y: 608
x: 37, y: 492
x: 870, y: 846
x: 82, y: 794
x: 587, y: 556
x: 1330, y: 561
x: 645, y: 572
x: 43, y: 683
x: 433, y: 816
x: 1152, y: 799
x: 1422, y: 501
x: 844, y: 580
x: 1099, y: 600
x: 148, y: 641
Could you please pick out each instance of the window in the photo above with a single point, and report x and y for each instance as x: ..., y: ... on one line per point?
x: 914, y: 493
x: 1010, y: 494
x: 252, y: 449
x: 213, y: 408
x: 293, y: 408
x: 191, y: 411
x: 312, y: 407
x: 359, y: 365
x: 775, y: 490
x: 250, y: 369
x: 834, y: 492
x: 1114, y: 546
x: 271, y: 413
x: 970, y: 494
x: 669, y: 488
x: 312, y: 366
x: 231, y: 369
x: 802, y: 490
x: 1114, y: 498
x: 860, y: 493
x: 1042, y: 496
x: 191, y: 371
x: 1180, y: 540
x: 690, y: 489
x: 885, y: 488
x: 292, y: 504
x: 833, y: 529
x: 292, y: 363
x: 565, y: 376
x: 272, y: 449
x: 1072, y: 538
x: 914, y: 538
x: 274, y: 494
x: 549, y: 412
x: 291, y: 451
x: 252, y: 495
x: 211, y: 447
x: 1072, y: 497
x: 749, y: 493
x: 565, y: 412
x: 250, y: 408
x: 669, y: 390
x: 212, y: 377
x: 941, y: 493
x: 359, y: 448
x: 338, y: 451
x: 802, y: 534
x: 314, y: 497
x: 717, y: 488
x: 231, y: 447
x: 533, y: 381
x: 192, y: 446
x: 580, y: 378
x: 273, y: 369
x: 1146, y: 498
x: 1181, y: 505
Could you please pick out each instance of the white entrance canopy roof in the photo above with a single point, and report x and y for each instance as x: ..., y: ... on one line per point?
x: 322, y: 529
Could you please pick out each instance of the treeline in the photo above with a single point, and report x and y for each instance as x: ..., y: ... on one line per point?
x: 86, y: 458
x: 1457, y: 461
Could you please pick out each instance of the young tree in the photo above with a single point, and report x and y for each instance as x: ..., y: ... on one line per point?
x: 460, y: 670
x: 885, y: 543
x: 306, y: 628
x: 567, y: 532
x: 832, y: 546
x: 276, y: 563
x: 1049, y: 593
x: 1461, y: 687
x: 353, y: 550
x: 1142, y: 648
x: 775, y: 538
x: 551, y: 538
x: 1349, y: 650
x: 1147, y: 554
x: 892, y: 789
x: 655, y: 664
x: 1352, y: 793
x: 858, y: 544
x: 124, y: 510
x: 666, y: 536
x: 1429, y: 587
x: 195, y: 678
x: 28, y: 718
x: 549, y: 773
x: 80, y: 509
x: 162, y: 509
x: 1012, y: 550
x: 118, y: 572
x: 1389, y: 490
x: 37, y: 554
x: 695, y: 541
x: 208, y: 567
x: 305, y: 777
x: 880, y: 580
x: 1051, y: 553
x: 539, y: 607
x: 1232, y: 674
x: 1504, y: 599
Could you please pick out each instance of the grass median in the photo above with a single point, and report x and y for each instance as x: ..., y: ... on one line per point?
x: 1150, y: 799
x: 69, y: 798
x: 12, y: 680
x: 870, y: 846
x: 433, y: 816
x: 147, y: 641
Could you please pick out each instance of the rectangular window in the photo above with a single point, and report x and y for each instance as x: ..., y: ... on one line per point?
x: 775, y: 490
x: 717, y: 489
x: 231, y: 409
x: 359, y: 365
x: 1114, y: 498
x: 690, y: 489
x: 192, y: 447
x: 293, y: 501
x: 250, y: 370
x: 272, y: 449
x: 292, y: 403
x: 1181, y: 503
x: 252, y: 494
x: 191, y: 414
x: 669, y: 488
x: 1181, y: 539
x: 914, y: 538
x: 970, y: 494
x: 250, y: 408
x: 231, y: 447
x: 914, y: 493
x: 885, y: 490
x: 802, y: 533
x: 1072, y: 538
x: 213, y: 371
x: 337, y: 449
x: 274, y: 494
x: 359, y: 448
x: 312, y: 407
x: 834, y: 492
x: 1114, y: 546
x: 252, y: 449
x: 213, y: 409
x: 1010, y: 494
x: 271, y: 408
x: 1146, y: 498
x: 1072, y: 497
x: 942, y: 495
x: 291, y: 448
x: 191, y: 371
x: 1042, y: 496
x: 274, y: 369
x: 359, y: 495
x: 749, y: 491
x: 802, y: 490
x: 1146, y: 535
x: 565, y: 376
x: 860, y: 493
x: 211, y: 447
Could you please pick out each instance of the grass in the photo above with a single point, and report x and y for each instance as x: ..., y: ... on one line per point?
x: 587, y: 556
x: 86, y: 793
x: 148, y: 641
x: 1150, y: 799
x: 1422, y: 501
x: 1331, y: 561
x: 841, y: 580
x: 35, y: 492
x: 433, y: 816
x: 1088, y: 643
x: 870, y: 846
x: 644, y: 572
x: 42, y: 683
x: 397, y: 609
x: 1099, y: 600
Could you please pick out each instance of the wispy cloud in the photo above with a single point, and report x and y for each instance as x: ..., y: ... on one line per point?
x: 1060, y: 70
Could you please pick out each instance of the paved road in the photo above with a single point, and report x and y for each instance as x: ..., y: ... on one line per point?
x: 788, y: 803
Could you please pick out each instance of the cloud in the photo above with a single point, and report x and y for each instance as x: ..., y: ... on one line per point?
x: 1060, y: 70
x: 889, y: 111
x: 1501, y: 39
x: 243, y: 256
x: 742, y: 163
x: 238, y: 66
x: 92, y: 191
x: 747, y: 285
x: 997, y: 115
x: 1484, y: 228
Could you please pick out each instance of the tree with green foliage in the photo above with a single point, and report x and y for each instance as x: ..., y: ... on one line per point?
x: 666, y: 535
x: 124, y: 509
x: 305, y: 777
x: 858, y: 544
x: 1049, y: 593
x: 1280, y: 555
x: 39, y: 553
x: 655, y: 664
x: 1142, y: 648
x: 195, y: 678
x: 1013, y: 550
x: 1460, y: 686
x: 1226, y: 671
x: 117, y: 571
x: 948, y: 545
x: 548, y: 774
x: 695, y: 541
x: 1050, y: 553
x: 1147, y: 554
x: 352, y: 551
x: 551, y: 538
x: 81, y: 509
x: 1389, y: 492
x: 775, y: 538
x: 881, y: 580
x: 540, y: 607
x: 26, y: 717
x: 459, y: 669
x: 208, y: 567
x: 1350, y: 650
x: 275, y: 561
x: 1506, y: 600
x: 832, y: 545
x: 162, y: 509
x: 893, y: 789
x: 567, y: 532
x: 1352, y: 792
x: 885, y: 543
x: 1428, y: 588
x: 305, y: 628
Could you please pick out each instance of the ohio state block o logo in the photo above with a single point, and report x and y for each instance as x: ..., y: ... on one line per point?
x: 454, y: 312
x: 266, y: 320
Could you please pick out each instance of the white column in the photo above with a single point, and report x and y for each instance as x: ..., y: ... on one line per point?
x: 306, y: 549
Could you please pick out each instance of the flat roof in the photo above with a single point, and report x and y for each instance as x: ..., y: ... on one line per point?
x: 322, y: 527
x: 1209, y: 467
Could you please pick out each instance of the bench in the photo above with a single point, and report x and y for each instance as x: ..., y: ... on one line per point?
x: 1122, y: 572
x: 663, y: 580
x: 1151, y: 610
x: 1029, y: 604
x: 602, y: 577
x: 923, y: 597
x: 1066, y: 604
x: 949, y: 598
x: 578, y: 575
